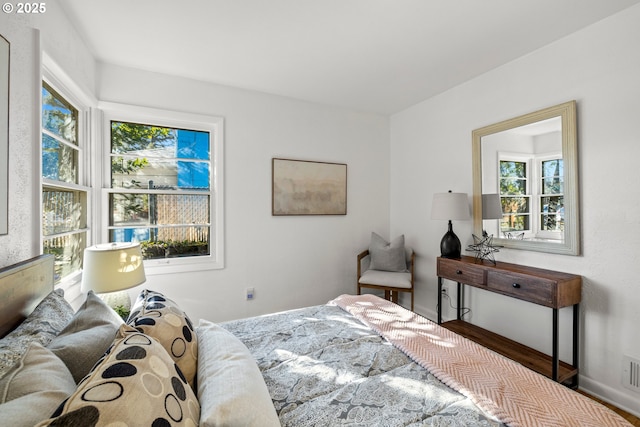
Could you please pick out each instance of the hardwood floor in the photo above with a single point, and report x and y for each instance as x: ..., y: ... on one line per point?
x: 635, y: 421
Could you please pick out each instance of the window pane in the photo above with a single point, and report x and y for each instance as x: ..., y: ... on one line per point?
x: 552, y: 177
x: 62, y: 211
x: 513, y: 169
x: 552, y: 215
x: 552, y: 186
x: 193, y: 144
x: 514, y: 223
x: 158, y: 209
x: 142, y: 172
x: 58, y: 116
x: 513, y: 186
x: 160, y: 142
x: 552, y: 168
x: 145, y: 140
x: 67, y: 251
x: 515, y: 204
x: 516, y: 210
x: 59, y: 161
x: 166, y: 242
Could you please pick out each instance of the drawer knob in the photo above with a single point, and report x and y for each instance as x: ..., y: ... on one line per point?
x: 516, y: 285
x: 458, y: 271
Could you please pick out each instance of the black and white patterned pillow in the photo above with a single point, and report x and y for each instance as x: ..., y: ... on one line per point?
x: 161, y: 318
x: 135, y: 383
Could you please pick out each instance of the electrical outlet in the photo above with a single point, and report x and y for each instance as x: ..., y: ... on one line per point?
x: 445, y: 291
x: 250, y: 293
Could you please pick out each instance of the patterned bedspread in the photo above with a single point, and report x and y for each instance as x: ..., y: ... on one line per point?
x: 325, y: 368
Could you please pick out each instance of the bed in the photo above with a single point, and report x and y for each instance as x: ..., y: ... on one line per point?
x: 357, y: 361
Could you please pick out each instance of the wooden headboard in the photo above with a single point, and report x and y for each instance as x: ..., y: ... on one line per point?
x: 22, y: 287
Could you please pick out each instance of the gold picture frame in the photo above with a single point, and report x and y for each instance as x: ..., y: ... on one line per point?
x: 302, y: 187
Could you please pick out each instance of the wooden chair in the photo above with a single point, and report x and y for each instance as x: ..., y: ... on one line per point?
x: 391, y: 282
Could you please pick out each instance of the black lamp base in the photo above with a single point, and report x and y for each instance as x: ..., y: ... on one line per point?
x: 450, y: 246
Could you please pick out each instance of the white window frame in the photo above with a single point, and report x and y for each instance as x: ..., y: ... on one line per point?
x: 542, y: 234
x: 158, y: 117
x: 518, y: 157
x: 59, y: 81
x: 533, y: 191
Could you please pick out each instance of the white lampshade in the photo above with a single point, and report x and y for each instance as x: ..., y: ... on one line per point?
x: 450, y: 206
x: 112, y: 267
x: 491, y: 206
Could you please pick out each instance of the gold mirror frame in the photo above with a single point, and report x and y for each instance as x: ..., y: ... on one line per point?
x: 571, y: 243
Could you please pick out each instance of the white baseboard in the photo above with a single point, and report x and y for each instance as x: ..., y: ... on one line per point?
x: 625, y: 400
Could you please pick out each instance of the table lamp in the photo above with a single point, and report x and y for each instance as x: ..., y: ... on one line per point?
x: 111, y: 268
x: 450, y: 206
x: 491, y: 207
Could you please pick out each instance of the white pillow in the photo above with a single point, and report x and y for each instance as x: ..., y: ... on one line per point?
x: 231, y: 389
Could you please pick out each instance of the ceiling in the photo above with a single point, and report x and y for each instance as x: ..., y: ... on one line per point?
x: 372, y: 55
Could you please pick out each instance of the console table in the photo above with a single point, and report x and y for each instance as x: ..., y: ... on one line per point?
x: 548, y: 288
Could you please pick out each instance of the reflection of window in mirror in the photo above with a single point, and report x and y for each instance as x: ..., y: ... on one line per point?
x: 529, y: 179
x: 515, y: 195
x: 551, y: 197
x: 531, y: 198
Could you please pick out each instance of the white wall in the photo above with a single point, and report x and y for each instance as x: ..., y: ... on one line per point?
x: 22, y: 146
x: 290, y: 261
x: 431, y: 152
x: 28, y: 35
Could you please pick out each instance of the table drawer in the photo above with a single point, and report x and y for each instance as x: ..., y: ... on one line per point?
x: 461, y: 272
x: 528, y: 288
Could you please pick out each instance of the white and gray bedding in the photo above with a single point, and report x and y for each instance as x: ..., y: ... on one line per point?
x: 323, y: 367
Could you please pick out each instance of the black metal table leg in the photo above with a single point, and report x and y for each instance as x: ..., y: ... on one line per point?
x: 556, y: 358
x: 576, y: 349
x: 459, y: 308
x: 439, y: 300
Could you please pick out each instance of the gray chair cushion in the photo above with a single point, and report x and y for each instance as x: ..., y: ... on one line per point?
x: 386, y: 278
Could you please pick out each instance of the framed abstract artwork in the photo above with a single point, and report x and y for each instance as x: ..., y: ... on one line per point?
x: 301, y: 187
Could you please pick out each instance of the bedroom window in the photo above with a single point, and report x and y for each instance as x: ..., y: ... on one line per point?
x: 64, y: 190
x: 163, y: 186
x: 515, y: 198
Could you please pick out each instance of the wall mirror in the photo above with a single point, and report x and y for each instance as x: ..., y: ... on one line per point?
x: 4, y: 135
x: 529, y: 164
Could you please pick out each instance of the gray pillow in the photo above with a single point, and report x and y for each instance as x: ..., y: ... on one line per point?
x: 45, y: 322
x: 387, y: 256
x: 87, y: 336
x: 34, y: 387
